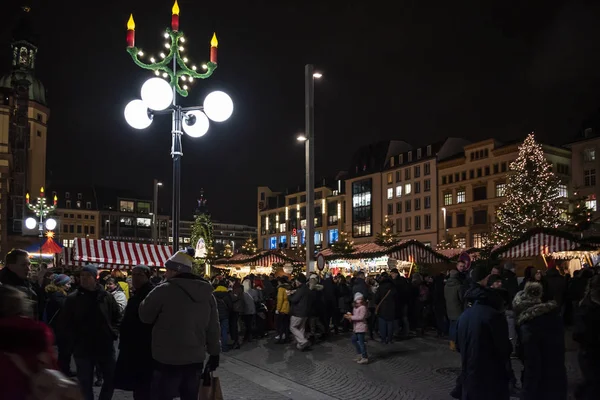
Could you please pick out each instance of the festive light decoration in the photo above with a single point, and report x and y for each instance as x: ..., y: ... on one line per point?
x: 249, y: 247
x: 227, y: 252
x: 41, y: 209
x: 344, y: 245
x: 386, y: 237
x: 531, y: 195
x: 580, y: 215
x: 164, y: 67
x: 203, y: 228
x: 448, y: 242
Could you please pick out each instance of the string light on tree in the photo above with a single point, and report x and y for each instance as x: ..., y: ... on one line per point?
x: 531, y: 195
x: 227, y: 252
x: 249, y: 247
x: 386, y: 237
x: 344, y: 245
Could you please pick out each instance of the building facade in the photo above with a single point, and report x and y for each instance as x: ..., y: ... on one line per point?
x: 282, y: 216
x: 585, y: 164
x: 472, y: 184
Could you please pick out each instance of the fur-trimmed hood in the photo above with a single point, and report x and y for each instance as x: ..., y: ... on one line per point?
x: 528, y: 303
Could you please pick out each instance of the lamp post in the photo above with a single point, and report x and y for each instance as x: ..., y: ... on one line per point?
x: 309, y: 148
x: 41, y: 209
x: 155, y: 232
x: 159, y: 96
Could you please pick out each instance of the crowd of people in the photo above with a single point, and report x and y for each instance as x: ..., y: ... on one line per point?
x: 151, y: 334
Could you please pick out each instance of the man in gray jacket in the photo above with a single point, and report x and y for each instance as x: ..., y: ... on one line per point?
x: 186, y: 325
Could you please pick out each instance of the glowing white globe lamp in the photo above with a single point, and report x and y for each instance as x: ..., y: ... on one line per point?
x: 50, y: 224
x: 157, y: 94
x: 31, y: 223
x: 136, y: 114
x: 218, y: 106
x: 195, y: 123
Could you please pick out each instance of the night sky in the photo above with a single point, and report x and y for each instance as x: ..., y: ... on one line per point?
x: 417, y: 71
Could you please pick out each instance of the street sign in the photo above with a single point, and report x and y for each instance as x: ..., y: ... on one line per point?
x: 320, y: 262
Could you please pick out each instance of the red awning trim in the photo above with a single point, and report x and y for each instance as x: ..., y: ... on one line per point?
x: 108, y: 252
x: 539, y: 243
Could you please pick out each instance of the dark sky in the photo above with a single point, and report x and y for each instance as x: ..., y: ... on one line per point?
x: 411, y: 70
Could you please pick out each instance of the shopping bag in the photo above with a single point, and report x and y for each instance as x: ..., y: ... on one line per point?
x: 210, y: 387
x: 216, y: 384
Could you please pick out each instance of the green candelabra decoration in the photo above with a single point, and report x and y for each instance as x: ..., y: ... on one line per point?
x: 172, y: 65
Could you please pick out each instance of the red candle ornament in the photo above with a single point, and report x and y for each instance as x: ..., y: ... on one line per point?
x: 42, y: 192
x: 130, y: 32
x: 175, y: 17
x: 27, y: 198
x: 214, y: 44
x: 55, y: 199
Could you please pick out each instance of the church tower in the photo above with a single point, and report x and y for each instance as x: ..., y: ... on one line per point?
x: 23, y: 130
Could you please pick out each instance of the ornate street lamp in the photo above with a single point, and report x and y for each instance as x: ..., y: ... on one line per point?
x: 41, y: 209
x: 159, y: 96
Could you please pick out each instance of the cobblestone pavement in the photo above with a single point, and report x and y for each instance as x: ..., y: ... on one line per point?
x: 416, y: 369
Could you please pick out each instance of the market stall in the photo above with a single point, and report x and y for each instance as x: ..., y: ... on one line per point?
x: 259, y: 263
x: 109, y: 254
x: 45, y: 251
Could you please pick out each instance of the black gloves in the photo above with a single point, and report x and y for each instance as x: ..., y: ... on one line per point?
x: 213, y: 363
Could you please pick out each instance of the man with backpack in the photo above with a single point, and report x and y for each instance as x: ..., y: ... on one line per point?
x: 186, y: 326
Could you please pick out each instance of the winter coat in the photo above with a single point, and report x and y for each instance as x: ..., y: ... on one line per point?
x: 329, y: 296
x: 542, y: 350
x: 224, y: 302
x: 55, y: 301
x: 124, y: 286
x: 556, y: 286
x: 454, y: 299
x: 360, y: 286
x: 91, y: 320
x: 134, y: 365
x: 511, y: 284
x: 283, y: 305
x: 386, y: 307
x: 300, y: 305
x: 120, y: 298
x: 249, y: 304
x: 587, y: 334
x: 482, y: 340
x: 186, y: 320
x: 7, y: 277
x: 317, y: 304
x: 28, y: 339
x: 238, y: 299
x: 359, y: 319
x: 344, y: 297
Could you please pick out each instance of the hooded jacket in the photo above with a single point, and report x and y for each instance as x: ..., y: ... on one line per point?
x: 283, y: 305
x: 186, y: 321
x: 224, y: 302
x: 541, y: 346
x: 453, y: 296
x: 300, y: 302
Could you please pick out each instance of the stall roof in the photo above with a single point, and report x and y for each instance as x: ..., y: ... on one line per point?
x: 113, y: 254
x: 406, y: 250
x: 537, y: 241
x: 262, y: 258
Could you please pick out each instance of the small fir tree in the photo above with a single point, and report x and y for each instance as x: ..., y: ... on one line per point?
x: 531, y: 194
x: 343, y: 245
x: 580, y: 215
x: 249, y: 247
x: 227, y: 253
x: 203, y: 228
x: 386, y: 237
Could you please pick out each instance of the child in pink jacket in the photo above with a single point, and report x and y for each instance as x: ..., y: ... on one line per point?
x: 359, y: 322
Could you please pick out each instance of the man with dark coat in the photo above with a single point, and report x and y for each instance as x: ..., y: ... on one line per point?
x: 482, y: 340
x: 511, y: 285
x: 402, y: 296
x: 331, y: 303
x: 556, y: 285
x: 385, y: 301
x: 134, y: 366
x: 300, y: 308
x: 360, y: 285
x: 15, y: 273
x: 91, y: 318
x: 541, y: 345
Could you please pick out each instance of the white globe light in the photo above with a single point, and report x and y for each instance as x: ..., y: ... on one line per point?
x: 50, y: 224
x: 136, y: 114
x: 157, y: 94
x: 196, y: 123
x: 218, y: 106
x: 30, y: 223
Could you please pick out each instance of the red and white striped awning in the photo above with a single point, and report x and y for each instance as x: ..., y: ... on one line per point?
x: 406, y: 250
x: 113, y: 254
x: 417, y: 254
x: 539, y: 243
x: 263, y: 259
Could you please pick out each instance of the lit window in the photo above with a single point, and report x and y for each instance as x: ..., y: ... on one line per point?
x: 407, y: 188
x: 447, y: 199
x: 590, y: 203
x: 460, y: 196
x: 562, y: 191
x: 390, y: 193
x: 282, y: 227
x: 479, y: 240
x: 589, y: 154
x: 333, y: 235
x: 589, y: 177
x: 126, y: 206
x: 390, y: 177
x: 273, y: 242
x: 500, y: 189
x: 144, y: 222
x: 399, y: 191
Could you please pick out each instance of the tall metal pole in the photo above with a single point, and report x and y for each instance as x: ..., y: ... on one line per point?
x: 155, y: 213
x: 309, y: 116
x: 176, y: 154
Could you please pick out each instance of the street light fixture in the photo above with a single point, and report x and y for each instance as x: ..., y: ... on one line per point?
x: 41, y: 209
x: 159, y: 96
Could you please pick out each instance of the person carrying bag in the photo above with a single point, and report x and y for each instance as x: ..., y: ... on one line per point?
x: 210, y: 389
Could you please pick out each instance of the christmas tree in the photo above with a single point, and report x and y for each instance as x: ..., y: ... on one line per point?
x: 531, y: 195
x: 227, y: 251
x: 580, y: 215
x: 203, y: 229
x: 249, y: 247
x: 344, y: 245
x: 386, y: 237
